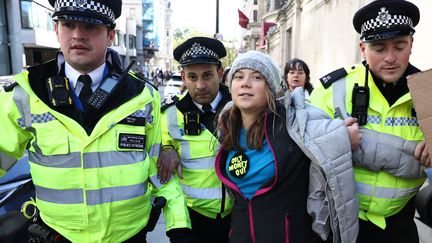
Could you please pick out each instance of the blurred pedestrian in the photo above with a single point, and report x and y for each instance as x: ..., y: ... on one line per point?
x: 296, y: 74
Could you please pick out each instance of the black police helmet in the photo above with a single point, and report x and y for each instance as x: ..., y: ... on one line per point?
x: 199, y: 50
x: 385, y: 19
x: 91, y: 11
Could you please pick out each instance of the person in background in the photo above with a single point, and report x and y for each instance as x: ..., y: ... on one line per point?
x: 296, y: 74
x: 188, y: 138
x: 376, y: 93
x: 268, y: 146
x: 93, y: 164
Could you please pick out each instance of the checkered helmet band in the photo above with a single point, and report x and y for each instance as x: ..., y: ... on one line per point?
x: 84, y: 6
x: 198, y: 50
x: 385, y: 20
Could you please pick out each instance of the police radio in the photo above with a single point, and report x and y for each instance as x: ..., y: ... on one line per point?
x: 192, y: 123
x: 59, y: 92
x: 107, y: 87
x: 360, y: 101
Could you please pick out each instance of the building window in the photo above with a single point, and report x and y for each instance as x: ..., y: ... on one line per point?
x: 267, y: 6
x: 34, y: 15
x: 255, y: 2
x: 26, y: 14
x: 132, y: 40
x: 116, y: 40
x: 120, y: 39
x: 255, y: 16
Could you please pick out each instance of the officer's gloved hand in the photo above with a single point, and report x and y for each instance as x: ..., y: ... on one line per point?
x: 181, y: 235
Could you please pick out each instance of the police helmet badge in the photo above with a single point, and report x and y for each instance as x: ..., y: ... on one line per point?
x: 81, y: 3
x: 383, y: 16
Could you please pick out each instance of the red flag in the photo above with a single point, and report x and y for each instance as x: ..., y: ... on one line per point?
x: 264, y: 29
x: 243, y: 19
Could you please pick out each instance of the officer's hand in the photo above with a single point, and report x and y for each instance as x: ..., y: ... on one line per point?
x: 354, y: 132
x: 421, y: 153
x: 167, y: 161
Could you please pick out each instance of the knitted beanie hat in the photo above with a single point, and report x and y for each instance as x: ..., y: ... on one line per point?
x: 260, y: 62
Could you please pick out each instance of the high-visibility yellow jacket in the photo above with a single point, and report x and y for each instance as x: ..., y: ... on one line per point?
x: 202, y: 188
x: 96, y: 187
x: 380, y: 194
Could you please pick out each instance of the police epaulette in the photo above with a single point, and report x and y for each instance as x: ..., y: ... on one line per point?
x: 332, y: 77
x: 10, y: 86
x: 172, y: 100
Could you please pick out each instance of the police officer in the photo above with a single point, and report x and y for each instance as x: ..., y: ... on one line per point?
x: 376, y: 93
x: 91, y: 162
x: 188, y: 137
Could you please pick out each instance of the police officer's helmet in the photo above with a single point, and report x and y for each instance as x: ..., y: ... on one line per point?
x: 90, y: 11
x: 386, y: 19
x: 199, y: 50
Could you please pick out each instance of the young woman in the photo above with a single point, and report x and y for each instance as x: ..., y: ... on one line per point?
x: 296, y: 74
x: 262, y: 162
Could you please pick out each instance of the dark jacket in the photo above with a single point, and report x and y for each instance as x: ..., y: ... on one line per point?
x: 277, y: 212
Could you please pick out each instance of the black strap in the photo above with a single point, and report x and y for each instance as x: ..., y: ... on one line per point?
x: 86, y: 91
x: 208, y: 118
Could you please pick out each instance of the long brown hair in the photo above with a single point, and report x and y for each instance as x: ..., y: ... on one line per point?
x: 232, y: 123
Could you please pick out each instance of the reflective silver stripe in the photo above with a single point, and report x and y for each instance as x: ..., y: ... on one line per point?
x: 175, y: 132
x: 6, y: 162
x: 202, y: 193
x: 339, y: 96
x: 173, y: 127
x: 21, y: 99
x: 93, y: 197
x: 199, y: 164
x: 401, y: 121
x: 72, y: 160
x: 154, y: 150
x: 148, y: 114
x: 339, y: 92
x: 185, y: 149
x: 150, y: 88
x: 114, y: 194
x: 155, y: 181
x: 112, y: 158
x: 69, y: 196
x: 383, y: 192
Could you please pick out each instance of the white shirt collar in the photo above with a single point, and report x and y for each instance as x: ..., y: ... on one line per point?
x: 213, y: 104
x: 72, y: 74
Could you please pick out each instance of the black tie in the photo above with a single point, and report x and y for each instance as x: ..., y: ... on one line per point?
x: 207, y: 108
x: 86, y: 91
x: 208, y: 118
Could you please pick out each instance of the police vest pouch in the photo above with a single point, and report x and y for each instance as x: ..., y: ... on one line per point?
x: 59, y: 92
x: 192, y: 123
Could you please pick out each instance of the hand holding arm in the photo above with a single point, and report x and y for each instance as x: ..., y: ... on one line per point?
x: 354, y: 132
x: 422, y: 154
x: 168, y: 161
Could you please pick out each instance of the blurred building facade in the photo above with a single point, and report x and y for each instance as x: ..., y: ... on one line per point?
x: 27, y: 35
x: 319, y: 32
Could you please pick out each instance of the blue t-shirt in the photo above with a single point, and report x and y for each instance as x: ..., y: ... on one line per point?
x: 251, y: 168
